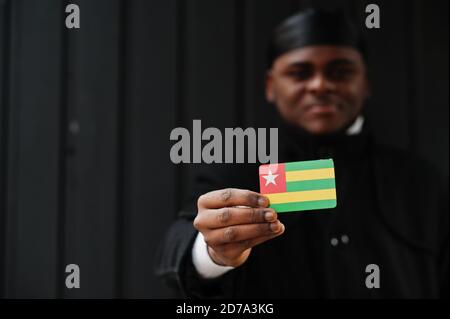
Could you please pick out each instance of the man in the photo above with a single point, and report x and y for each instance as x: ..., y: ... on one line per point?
x: 392, y: 208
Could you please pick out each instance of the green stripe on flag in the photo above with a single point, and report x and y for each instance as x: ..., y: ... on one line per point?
x: 309, y: 205
x: 310, y: 185
x: 299, y: 166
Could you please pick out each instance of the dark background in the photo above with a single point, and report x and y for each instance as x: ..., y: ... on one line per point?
x: 85, y: 173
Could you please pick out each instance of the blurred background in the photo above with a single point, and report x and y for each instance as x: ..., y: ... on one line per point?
x: 85, y: 118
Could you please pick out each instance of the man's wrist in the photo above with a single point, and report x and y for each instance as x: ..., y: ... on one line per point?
x: 212, y: 254
x: 204, y: 263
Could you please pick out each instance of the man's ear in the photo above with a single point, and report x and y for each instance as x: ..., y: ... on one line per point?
x: 270, y: 96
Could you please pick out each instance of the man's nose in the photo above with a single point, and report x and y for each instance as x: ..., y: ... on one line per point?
x: 320, y: 84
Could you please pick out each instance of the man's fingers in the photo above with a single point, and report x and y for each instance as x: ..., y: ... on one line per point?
x: 229, y: 216
x: 231, y: 197
x: 238, y: 233
x: 234, y: 250
x: 256, y: 241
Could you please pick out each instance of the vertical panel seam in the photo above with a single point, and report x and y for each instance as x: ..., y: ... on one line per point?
x: 413, y: 25
x: 240, y: 52
x: 122, y: 120
x: 180, y: 88
x: 13, y: 152
x: 62, y: 165
x: 5, y: 98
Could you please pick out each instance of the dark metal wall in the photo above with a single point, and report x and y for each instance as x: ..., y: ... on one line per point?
x: 85, y: 118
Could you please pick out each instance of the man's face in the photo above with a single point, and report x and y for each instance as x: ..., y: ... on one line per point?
x: 319, y: 88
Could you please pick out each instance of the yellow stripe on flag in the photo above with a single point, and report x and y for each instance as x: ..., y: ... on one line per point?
x: 309, y: 174
x: 302, y: 196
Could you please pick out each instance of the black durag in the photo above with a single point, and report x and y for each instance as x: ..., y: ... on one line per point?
x: 315, y: 27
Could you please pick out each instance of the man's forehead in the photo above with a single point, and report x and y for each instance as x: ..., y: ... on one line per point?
x: 320, y: 54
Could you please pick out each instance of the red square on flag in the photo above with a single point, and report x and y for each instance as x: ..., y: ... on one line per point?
x: 272, y: 178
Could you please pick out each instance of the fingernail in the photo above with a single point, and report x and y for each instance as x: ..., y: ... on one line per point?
x: 262, y: 201
x: 269, y: 216
x: 275, y: 227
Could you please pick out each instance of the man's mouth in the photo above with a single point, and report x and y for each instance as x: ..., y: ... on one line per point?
x: 322, y: 109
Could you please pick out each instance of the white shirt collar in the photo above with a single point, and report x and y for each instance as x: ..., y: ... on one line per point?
x: 356, y: 127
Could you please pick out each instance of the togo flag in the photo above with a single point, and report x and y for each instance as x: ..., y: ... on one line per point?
x: 298, y: 186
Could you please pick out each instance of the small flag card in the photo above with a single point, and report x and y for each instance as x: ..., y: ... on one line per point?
x: 297, y: 186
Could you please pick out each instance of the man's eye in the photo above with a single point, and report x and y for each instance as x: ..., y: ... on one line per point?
x: 299, y: 74
x: 341, y: 73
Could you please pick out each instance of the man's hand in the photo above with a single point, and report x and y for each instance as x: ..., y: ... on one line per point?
x: 231, y: 230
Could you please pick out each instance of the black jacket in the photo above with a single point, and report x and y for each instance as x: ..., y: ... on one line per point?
x: 392, y: 208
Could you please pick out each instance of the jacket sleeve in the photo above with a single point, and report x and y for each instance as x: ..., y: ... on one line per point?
x: 174, y: 265
x: 173, y: 251
x: 174, y: 259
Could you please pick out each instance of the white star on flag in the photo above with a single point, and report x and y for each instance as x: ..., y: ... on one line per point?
x: 270, y: 178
